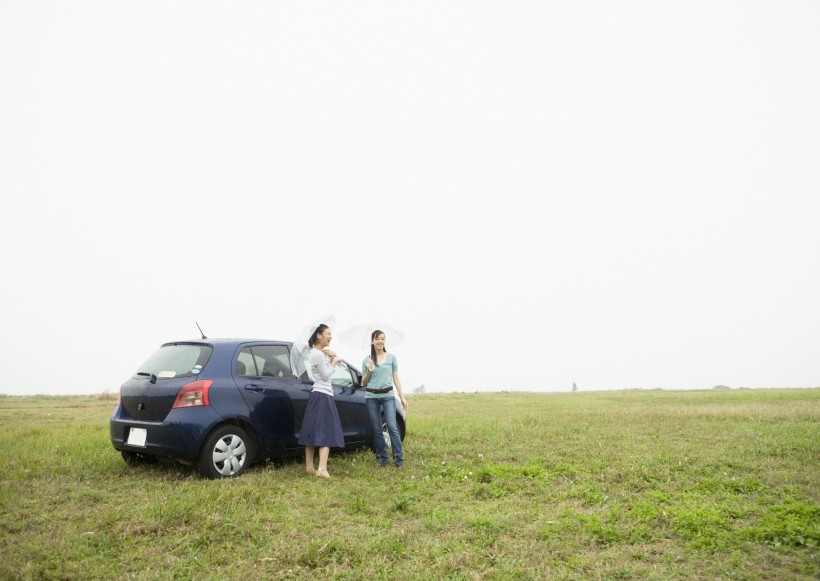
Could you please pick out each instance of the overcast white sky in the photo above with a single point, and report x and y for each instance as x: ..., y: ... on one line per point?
x: 618, y: 194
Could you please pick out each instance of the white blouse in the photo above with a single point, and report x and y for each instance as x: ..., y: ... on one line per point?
x: 321, y: 370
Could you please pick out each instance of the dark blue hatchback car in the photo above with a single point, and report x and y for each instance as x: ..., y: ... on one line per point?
x: 222, y: 404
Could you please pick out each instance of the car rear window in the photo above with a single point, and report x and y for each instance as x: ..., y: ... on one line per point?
x: 176, y: 361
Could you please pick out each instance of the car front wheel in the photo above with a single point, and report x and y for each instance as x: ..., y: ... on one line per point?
x: 226, y: 453
x: 386, y: 434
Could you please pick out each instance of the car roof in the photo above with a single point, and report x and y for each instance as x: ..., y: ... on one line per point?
x: 224, y: 341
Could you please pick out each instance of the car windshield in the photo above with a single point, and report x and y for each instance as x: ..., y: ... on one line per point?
x: 175, y: 361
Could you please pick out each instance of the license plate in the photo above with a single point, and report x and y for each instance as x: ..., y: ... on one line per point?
x: 137, y: 436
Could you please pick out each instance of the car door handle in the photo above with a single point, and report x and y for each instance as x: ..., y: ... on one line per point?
x: 254, y: 387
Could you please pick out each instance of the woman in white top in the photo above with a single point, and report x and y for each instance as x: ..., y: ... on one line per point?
x: 321, y: 426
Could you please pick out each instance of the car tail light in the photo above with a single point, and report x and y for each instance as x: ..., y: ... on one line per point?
x: 193, y: 394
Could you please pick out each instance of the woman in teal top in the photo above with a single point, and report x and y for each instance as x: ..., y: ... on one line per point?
x: 380, y: 375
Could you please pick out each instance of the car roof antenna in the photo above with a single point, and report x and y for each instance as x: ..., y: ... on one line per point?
x: 200, y: 330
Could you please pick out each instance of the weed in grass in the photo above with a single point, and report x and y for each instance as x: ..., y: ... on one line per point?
x: 439, y: 519
x: 318, y: 553
x: 645, y: 511
x: 588, y: 493
x: 359, y: 505
x: 789, y: 523
x: 402, y: 504
x: 483, y: 531
x: 705, y: 526
x: 488, y: 490
x: 603, y: 533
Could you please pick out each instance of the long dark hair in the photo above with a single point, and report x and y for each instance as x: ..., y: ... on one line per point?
x: 319, y: 330
x: 375, y: 334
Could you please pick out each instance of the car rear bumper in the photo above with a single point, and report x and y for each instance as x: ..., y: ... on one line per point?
x: 180, y: 435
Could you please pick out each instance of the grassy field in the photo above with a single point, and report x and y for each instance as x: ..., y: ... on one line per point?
x: 608, y: 485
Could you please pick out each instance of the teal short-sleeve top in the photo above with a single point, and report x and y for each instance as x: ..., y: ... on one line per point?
x: 382, y: 375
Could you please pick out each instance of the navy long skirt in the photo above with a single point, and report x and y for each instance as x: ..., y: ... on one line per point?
x: 321, y: 426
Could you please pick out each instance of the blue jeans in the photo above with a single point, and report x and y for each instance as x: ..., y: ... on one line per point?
x: 374, y: 408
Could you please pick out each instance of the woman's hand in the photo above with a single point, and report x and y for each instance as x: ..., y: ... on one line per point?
x: 370, y: 364
x: 404, y: 404
x: 329, y: 352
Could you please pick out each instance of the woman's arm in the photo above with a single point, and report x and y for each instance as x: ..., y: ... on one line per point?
x: 397, y: 383
x: 368, y: 367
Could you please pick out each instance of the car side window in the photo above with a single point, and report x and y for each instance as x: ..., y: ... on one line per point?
x: 245, y: 364
x: 341, y: 375
x: 272, y: 361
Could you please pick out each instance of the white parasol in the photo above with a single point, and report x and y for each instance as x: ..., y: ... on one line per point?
x: 359, y: 336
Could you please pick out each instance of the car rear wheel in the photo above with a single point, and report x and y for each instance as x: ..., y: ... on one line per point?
x: 226, y: 453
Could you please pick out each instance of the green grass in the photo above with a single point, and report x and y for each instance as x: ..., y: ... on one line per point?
x: 611, y: 485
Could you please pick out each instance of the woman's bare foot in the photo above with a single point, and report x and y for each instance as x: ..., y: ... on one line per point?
x: 310, y: 470
x: 322, y: 474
